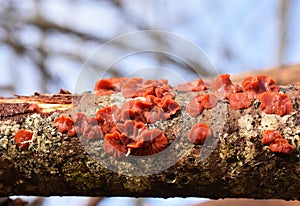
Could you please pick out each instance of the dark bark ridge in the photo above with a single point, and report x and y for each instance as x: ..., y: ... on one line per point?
x: 238, y: 166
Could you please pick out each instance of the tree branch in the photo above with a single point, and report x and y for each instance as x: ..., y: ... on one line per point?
x: 233, y: 163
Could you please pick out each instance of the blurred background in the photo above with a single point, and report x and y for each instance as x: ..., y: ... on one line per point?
x: 44, y: 44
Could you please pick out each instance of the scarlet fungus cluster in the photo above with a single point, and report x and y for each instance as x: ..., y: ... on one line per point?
x: 109, y: 86
x: 22, y: 138
x: 275, y: 103
x: 192, y: 87
x: 201, y: 102
x: 111, y: 123
x: 254, y: 86
x: 276, y: 142
x: 133, y: 138
x: 199, y: 133
x: 65, y: 124
x: 262, y: 88
x: 154, y: 100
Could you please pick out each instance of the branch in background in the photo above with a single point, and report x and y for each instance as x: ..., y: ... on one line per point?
x: 283, y: 29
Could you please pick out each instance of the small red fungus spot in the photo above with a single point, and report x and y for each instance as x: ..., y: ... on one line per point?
x: 199, y: 133
x: 209, y: 101
x: 298, y: 86
x: 64, y: 124
x: 22, y: 138
x: 33, y: 108
x: 275, y: 103
x: 194, y: 108
x: 270, y: 136
x: 281, y: 146
x: 239, y: 101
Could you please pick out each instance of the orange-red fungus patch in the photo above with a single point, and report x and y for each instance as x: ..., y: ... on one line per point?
x: 223, y: 86
x: 201, y: 102
x: 133, y: 138
x: 209, y: 101
x: 298, y: 86
x: 65, y: 124
x: 259, y: 84
x: 22, y: 138
x: 194, y: 107
x: 109, y: 86
x: 281, y: 146
x: 192, y: 87
x: 276, y: 142
x: 275, y: 103
x: 115, y: 144
x: 239, y: 101
x: 199, y: 133
x: 270, y: 136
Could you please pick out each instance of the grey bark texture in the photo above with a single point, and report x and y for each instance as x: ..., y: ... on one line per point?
x: 234, y: 163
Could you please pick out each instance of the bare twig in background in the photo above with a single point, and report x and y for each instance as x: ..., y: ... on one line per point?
x: 283, y: 29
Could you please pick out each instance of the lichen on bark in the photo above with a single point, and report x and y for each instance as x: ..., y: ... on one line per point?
x: 234, y: 163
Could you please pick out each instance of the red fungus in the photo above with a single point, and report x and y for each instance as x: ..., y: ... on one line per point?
x: 115, y: 144
x: 298, y: 86
x: 281, y: 146
x: 109, y: 86
x: 65, y: 124
x: 192, y: 87
x: 259, y: 84
x: 91, y: 129
x: 239, y: 101
x: 194, y: 108
x: 275, y: 103
x: 79, y: 121
x: 270, y: 136
x: 224, y: 87
x: 152, y: 142
x: 199, y: 133
x: 170, y: 106
x: 131, y: 129
x: 276, y: 142
x: 200, y: 102
x: 33, y: 108
x: 132, y: 88
x: 209, y: 101
x: 22, y: 138
x: 107, y: 118
x: 133, y: 138
x: 155, y: 114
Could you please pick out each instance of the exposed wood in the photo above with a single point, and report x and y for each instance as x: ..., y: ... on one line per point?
x: 284, y: 75
x: 239, y: 165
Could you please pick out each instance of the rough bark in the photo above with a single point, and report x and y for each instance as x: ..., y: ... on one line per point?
x: 238, y: 166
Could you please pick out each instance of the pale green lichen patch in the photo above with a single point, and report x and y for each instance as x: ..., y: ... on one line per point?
x: 7, y: 130
x: 137, y: 184
x: 270, y: 121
